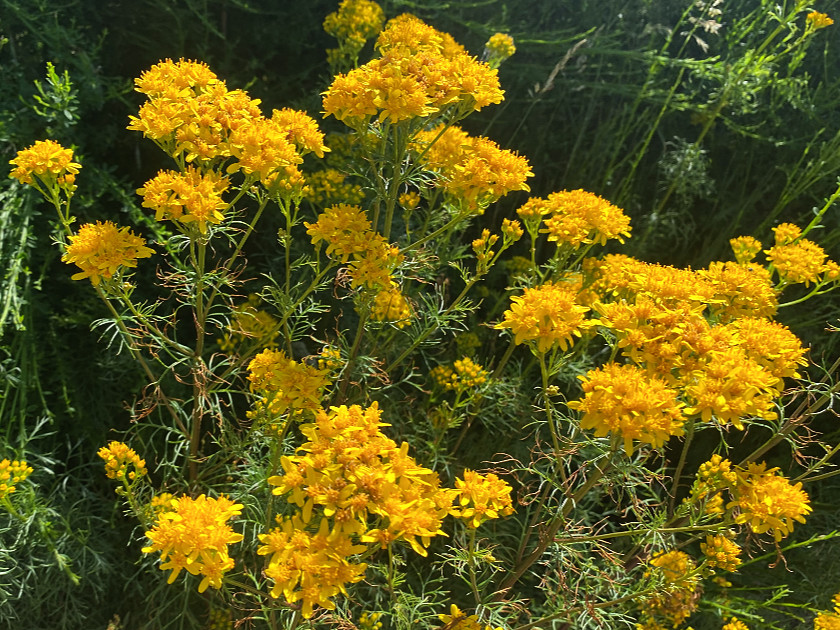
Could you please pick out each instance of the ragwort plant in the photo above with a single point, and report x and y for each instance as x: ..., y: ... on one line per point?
x: 307, y: 450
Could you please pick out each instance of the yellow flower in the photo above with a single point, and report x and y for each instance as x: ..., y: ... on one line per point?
x: 546, y: 314
x: 768, y: 502
x: 330, y: 187
x: 721, y: 552
x: 301, y: 130
x: 745, y: 248
x: 625, y: 401
x: 481, y: 498
x: 12, y: 472
x: 739, y: 290
x: 194, y: 535
x: 263, y: 152
x: 770, y: 344
x: 829, y: 620
x: 581, y: 217
x: 802, y: 261
x: 409, y: 200
x: 678, y: 597
x: 284, y: 384
x: 250, y: 325
x: 713, y: 477
x: 344, y: 228
x: 464, y: 374
x: 735, y: 624
x: 499, y: 47
x: 118, y: 457
x: 355, y: 17
x: 390, y: 305
x: 186, y: 197
x: 458, y: 620
x: 47, y: 161
x: 816, y: 20
x: 100, y: 249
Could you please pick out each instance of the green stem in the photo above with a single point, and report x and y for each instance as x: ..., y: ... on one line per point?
x: 689, y: 434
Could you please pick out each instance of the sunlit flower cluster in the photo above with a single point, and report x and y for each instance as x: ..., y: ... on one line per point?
x: 817, y: 20
x: 579, y: 217
x: 676, y: 599
x: 713, y: 477
x: 121, y: 462
x: 101, y: 250
x: 331, y: 186
x: 464, y: 374
x: 481, y: 498
x: 796, y: 261
x: 547, y: 315
x: 194, y: 535
x: 390, y: 305
x: 499, y: 47
x: 420, y: 72
x: 624, y: 401
x: 355, y: 22
x: 829, y: 620
x: 721, y: 552
x: 191, y: 196
x: 284, y: 385
x: 768, y: 502
x: 12, y: 472
x: 46, y: 163
x: 473, y: 171
x: 460, y: 620
x: 735, y: 624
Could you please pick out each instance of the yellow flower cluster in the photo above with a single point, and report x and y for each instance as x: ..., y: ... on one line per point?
x: 499, y: 47
x: 577, y: 217
x: 677, y: 598
x: 458, y: 619
x: 370, y: 621
x: 420, y: 73
x: 47, y: 162
x: 797, y: 260
x: 547, y: 315
x: 768, y: 502
x: 100, y: 250
x: 192, y: 115
x: 623, y: 400
x: 194, y: 535
x: 481, y: 498
x: 735, y: 624
x: 473, y: 171
x: 712, y: 478
x: 409, y: 200
x: 348, y: 234
x: 118, y: 457
x: 465, y: 374
x: 12, y: 472
x: 191, y: 196
x: 329, y: 360
x: 354, y: 484
x: 310, y: 568
x: 721, y: 552
x: 330, y: 186
x: 249, y: 324
x: 829, y: 620
x: 390, y: 305
x: 355, y: 22
x: 816, y: 20
x: 284, y: 385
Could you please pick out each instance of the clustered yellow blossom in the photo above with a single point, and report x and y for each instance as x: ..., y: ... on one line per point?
x: 735, y: 624
x: 676, y: 599
x: 499, y: 47
x: 353, y: 487
x: 191, y: 196
x: 547, y: 315
x: 624, y: 401
x: 767, y: 501
x: 473, y: 171
x: 355, y: 22
x: 390, y: 305
x: 329, y: 360
x: 420, y: 72
x: 101, y: 250
x: 47, y: 162
x: 349, y: 237
x: 481, y: 498
x: 829, y: 620
x: 712, y: 478
x: 456, y: 619
x: 370, y: 621
x: 463, y: 375
x: 194, y: 535
x: 12, y: 472
x: 576, y: 217
x: 250, y: 325
x: 163, y: 502
x: 190, y: 114
x: 284, y: 385
x: 816, y: 20
x: 409, y: 200
x: 330, y: 186
x: 721, y: 552
x: 118, y: 457
x: 796, y: 260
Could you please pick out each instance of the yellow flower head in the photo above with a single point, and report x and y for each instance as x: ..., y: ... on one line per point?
x: 47, y: 161
x: 499, y: 47
x: 581, y: 217
x: 390, y: 305
x: 465, y: 374
x: 250, y: 325
x: 301, y: 130
x: 768, y: 502
x: 458, y: 620
x: 12, y: 472
x: 677, y: 599
x: 284, y: 384
x: 101, y: 249
x: 816, y: 20
x: 191, y: 196
x: 721, y: 552
x: 546, y: 314
x: 331, y: 187
x: 802, y: 261
x: 118, y: 457
x: 168, y: 78
x: 360, y: 19
x: 745, y: 248
x: 409, y: 200
x: 481, y: 498
x: 194, y: 535
x: 625, y: 401
x: 829, y: 620
x: 735, y: 624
